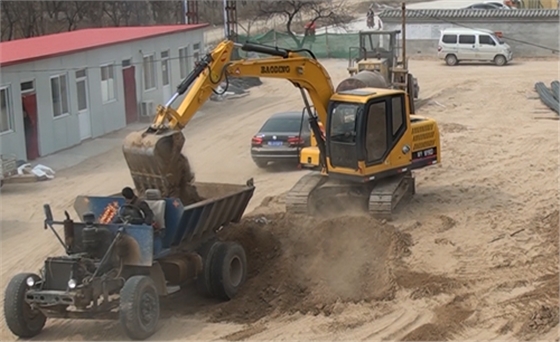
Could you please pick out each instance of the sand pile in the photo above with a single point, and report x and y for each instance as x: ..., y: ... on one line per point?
x: 300, y: 264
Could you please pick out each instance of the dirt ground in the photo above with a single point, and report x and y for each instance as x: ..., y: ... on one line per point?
x: 473, y: 256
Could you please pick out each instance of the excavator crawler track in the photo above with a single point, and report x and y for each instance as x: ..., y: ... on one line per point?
x: 316, y: 195
x: 388, y: 193
x: 297, y: 198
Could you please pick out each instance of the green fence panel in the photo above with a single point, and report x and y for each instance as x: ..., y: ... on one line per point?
x: 324, y: 45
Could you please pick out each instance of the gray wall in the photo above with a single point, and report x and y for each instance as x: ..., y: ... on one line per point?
x: 59, y: 133
x: 422, y: 38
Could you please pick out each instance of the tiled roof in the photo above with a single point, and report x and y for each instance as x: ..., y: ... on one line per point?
x: 428, y: 14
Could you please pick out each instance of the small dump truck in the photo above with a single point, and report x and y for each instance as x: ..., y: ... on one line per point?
x: 119, y: 270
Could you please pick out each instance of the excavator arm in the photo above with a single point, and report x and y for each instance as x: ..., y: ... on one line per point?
x: 154, y: 157
x: 215, y: 67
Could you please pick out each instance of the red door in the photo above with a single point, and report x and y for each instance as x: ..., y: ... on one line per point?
x: 29, y: 102
x: 130, y: 104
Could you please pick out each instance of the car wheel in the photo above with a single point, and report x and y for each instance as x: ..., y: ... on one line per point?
x: 500, y: 60
x: 451, y: 60
x: 260, y: 163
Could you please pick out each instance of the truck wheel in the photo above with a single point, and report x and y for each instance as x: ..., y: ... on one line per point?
x: 451, y: 60
x: 139, y: 307
x: 21, y: 319
x: 500, y: 60
x: 207, y: 252
x: 229, y: 270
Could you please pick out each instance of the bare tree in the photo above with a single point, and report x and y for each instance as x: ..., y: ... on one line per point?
x: 118, y: 12
x: 8, y: 20
x: 74, y: 12
x: 249, y: 11
x: 327, y: 12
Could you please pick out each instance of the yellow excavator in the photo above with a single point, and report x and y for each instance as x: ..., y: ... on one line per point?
x: 370, y: 145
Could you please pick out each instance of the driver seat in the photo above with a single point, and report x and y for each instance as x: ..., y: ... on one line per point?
x: 157, y: 204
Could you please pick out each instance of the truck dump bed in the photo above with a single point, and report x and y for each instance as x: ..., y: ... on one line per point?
x: 222, y: 204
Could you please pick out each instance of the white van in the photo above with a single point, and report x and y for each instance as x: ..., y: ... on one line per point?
x: 464, y: 44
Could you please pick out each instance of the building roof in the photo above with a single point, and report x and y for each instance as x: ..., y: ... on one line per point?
x: 34, y: 48
x: 435, y: 14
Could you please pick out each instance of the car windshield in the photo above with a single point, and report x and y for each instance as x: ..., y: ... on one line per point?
x: 286, y: 124
x: 343, y: 122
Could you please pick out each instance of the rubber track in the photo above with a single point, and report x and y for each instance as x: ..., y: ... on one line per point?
x: 547, y: 97
x: 555, y: 86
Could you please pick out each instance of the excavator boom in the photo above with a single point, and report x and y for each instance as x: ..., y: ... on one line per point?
x: 155, y: 157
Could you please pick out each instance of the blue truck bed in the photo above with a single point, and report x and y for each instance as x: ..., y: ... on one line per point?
x: 222, y: 204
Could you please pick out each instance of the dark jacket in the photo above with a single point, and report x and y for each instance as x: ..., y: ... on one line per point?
x: 139, y: 214
x: 145, y: 209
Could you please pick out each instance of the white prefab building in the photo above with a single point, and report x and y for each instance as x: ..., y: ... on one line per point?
x: 58, y: 90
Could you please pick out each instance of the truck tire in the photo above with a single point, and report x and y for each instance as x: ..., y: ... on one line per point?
x: 22, y: 321
x: 139, y: 307
x: 228, y: 271
x: 207, y: 252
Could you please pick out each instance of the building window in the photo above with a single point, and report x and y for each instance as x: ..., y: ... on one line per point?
x: 184, y: 61
x: 81, y: 89
x: 59, y: 93
x: 6, y: 118
x: 149, y: 73
x: 165, y: 67
x: 107, y: 83
x: 27, y: 87
x: 196, y: 52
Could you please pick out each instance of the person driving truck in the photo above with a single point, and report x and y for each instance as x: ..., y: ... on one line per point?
x: 137, y: 210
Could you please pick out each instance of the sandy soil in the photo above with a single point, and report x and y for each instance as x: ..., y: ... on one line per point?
x: 473, y: 256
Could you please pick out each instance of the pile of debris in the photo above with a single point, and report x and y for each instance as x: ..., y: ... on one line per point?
x: 17, y: 171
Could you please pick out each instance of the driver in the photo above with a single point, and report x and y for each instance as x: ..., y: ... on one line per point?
x: 137, y: 211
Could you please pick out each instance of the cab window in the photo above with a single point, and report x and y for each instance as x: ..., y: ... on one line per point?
x: 376, y: 134
x: 397, y: 113
x: 343, y: 123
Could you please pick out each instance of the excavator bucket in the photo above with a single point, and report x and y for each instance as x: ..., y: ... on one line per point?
x: 156, y: 162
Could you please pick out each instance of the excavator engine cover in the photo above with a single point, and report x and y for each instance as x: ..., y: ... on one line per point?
x: 156, y: 162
